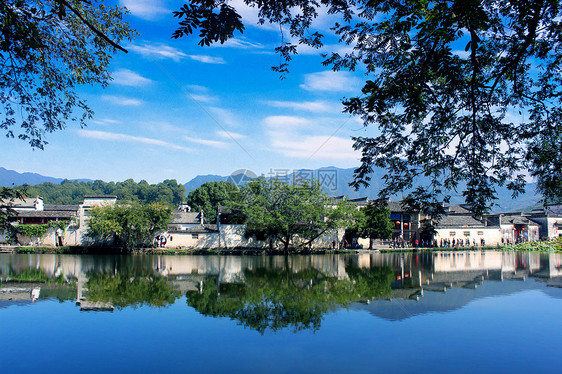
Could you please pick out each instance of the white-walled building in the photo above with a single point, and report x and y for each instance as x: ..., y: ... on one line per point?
x: 76, y: 217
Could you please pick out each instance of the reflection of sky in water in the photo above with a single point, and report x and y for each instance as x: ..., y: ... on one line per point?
x: 454, y: 298
x: 509, y: 326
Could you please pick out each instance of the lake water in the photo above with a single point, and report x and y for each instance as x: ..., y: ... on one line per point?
x: 423, y: 312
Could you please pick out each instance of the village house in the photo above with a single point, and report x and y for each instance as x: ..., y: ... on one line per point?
x: 33, y: 211
x: 193, y: 230
x: 459, y: 224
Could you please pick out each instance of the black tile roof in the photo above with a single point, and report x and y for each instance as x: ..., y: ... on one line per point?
x: 73, y: 208
x: 188, y: 218
x: 459, y: 221
x: 64, y: 214
x: 199, y: 229
x: 516, y: 220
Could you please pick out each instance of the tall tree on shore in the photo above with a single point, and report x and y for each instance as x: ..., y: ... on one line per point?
x: 130, y: 225
x: 460, y: 91
x: 8, y: 196
x: 47, y: 48
x: 374, y: 223
x: 210, y: 195
x: 295, y: 215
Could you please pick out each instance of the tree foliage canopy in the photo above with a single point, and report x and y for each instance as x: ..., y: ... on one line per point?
x: 465, y: 93
x: 7, y: 198
x: 73, y: 192
x: 373, y: 222
x: 47, y: 48
x: 211, y: 195
x: 293, y: 214
x: 132, y: 225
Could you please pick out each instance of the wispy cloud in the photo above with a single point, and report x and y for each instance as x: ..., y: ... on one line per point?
x: 145, y: 9
x: 287, y: 122
x: 200, y: 93
x: 305, y: 138
x: 126, y: 77
x: 328, y: 148
x: 122, y: 100
x: 250, y: 15
x: 309, y: 106
x: 229, y: 134
x: 158, y: 50
x: 196, y: 88
x: 204, y: 98
x: 224, y: 116
x: 332, y: 81
x: 207, y: 142
x: 116, y: 137
x: 239, y: 43
x: 462, y: 54
x: 105, y: 121
x: 207, y: 59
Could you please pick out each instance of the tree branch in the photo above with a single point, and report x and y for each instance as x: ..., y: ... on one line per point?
x: 91, y: 27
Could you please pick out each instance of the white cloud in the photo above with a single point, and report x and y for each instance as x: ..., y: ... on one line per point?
x: 116, y: 137
x: 321, y: 147
x: 203, y: 98
x: 122, y: 100
x: 105, y: 121
x: 462, y: 54
x: 304, y: 49
x: 229, y: 134
x: 207, y: 142
x: 239, y: 43
x: 207, y: 59
x: 126, y: 77
x: 145, y: 9
x: 332, y: 81
x: 158, y: 50
x: 304, y: 138
x: 309, y: 106
x: 224, y: 117
x: 287, y: 122
x: 250, y: 15
x: 195, y: 87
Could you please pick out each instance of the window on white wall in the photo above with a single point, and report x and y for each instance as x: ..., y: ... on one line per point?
x: 194, y: 236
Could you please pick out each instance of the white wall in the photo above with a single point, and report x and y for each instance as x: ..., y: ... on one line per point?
x: 185, y: 240
x: 491, y: 235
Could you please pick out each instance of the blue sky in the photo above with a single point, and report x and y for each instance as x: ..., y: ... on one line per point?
x: 176, y: 110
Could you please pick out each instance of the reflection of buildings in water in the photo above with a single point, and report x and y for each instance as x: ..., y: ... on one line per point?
x: 413, y: 273
x: 454, y: 279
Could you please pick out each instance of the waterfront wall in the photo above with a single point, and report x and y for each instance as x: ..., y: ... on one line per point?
x: 232, y: 236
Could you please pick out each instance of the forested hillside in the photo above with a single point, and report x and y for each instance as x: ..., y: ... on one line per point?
x: 72, y: 192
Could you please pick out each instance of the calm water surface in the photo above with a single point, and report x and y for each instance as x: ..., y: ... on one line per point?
x: 425, y: 312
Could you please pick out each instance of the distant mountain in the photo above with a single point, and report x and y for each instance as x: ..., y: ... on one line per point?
x: 13, y: 178
x: 335, y: 182
x: 10, y: 178
x: 201, y: 179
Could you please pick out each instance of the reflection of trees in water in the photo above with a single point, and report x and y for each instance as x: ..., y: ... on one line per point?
x: 31, y: 275
x: 130, y: 289
x: 273, y: 300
